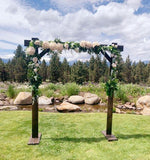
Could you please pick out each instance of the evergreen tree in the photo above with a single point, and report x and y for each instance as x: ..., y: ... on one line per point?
x: 54, y: 69
x: 120, y: 69
x: 43, y: 70
x: 20, y: 70
x: 104, y: 71
x: 91, y: 69
x: 128, y: 70
x: 3, y: 71
x: 139, y: 75
x: 65, y: 70
x: 97, y: 69
x: 78, y: 72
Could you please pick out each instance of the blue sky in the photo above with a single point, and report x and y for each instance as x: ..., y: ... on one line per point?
x: 126, y: 22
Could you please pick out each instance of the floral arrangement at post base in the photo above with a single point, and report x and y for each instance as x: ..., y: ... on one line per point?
x: 57, y: 46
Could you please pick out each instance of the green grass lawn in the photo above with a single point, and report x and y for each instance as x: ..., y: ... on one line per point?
x: 74, y: 137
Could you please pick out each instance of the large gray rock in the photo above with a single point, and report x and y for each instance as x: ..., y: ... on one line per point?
x: 23, y: 98
x: 143, y: 103
x: 2, y: 96
x: 8, y: 108
x: 45, y: 100
x: 68, y: 107
x: 91, y: 98
x: 1, y: 103
x: 76, y: 99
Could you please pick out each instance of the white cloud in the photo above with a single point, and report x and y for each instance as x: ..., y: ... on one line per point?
x: 4, y: 45
x: 135, y: 4
x: 115, y: 22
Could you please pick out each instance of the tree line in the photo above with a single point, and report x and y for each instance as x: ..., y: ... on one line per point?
x: 95, y: 70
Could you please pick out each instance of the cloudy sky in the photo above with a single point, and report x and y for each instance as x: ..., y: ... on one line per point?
x: 126, y: 22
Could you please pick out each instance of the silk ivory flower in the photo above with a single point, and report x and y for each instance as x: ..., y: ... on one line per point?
x: 46, y: 45
x: 59, y: 47
x: 37, y: 65
x: 95, y: 44
x: 114, y: 65
x: 30, y: 51
x: 83, y: 44
x: 88, y: 44
x: 37, y: 42
x: 35, y: 70
x: 35, y: 59
x: 66, y: 45
x: 53, y: 46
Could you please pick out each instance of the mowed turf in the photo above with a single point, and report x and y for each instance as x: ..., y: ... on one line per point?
x: 74, y: 136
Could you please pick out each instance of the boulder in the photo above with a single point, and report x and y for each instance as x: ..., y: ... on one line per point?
x: 143, y: 103
x: 8, y: 108
x: 76, y: 99
x: 23, y: 98
x: 1, y: 103
x: 68, y: 107
x: 45, y: 100
x: 91, y: 98
x: 2, y: 96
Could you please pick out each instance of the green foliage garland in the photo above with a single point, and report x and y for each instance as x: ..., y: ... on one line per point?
x: 57, y: 46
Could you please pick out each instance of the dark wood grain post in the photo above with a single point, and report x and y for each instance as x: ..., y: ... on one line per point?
x: 109, y: 115
x: 34, y: 115
x: 35, y: 137
x: 109, y: 108
x: 108, y: 132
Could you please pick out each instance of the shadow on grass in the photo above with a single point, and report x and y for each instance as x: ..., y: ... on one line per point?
x: 76, y: 140
x: 135, y: 136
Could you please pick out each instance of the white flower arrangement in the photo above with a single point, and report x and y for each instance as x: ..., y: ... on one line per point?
x: 95, y: 44
x: 86, y: 44
x: 52, y: 46
x: 59, y: 47
x: 30, y: 51
x: 46, y: 45
x: 66, y: 45
x: 37, y: 42
x: 37, y: 65
x: 35, y: 59
x: 35, y: 70
x: 114, y: 65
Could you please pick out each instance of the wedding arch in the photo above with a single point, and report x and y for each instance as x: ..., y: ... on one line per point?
x: 110, y: 52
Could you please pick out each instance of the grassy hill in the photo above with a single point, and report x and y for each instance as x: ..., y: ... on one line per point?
x: 74, y: 136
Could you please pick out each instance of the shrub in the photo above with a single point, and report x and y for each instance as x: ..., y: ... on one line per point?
x: 52, y: 86
x: 11, y: 92
x: 121, y: 94
x: 70, y: 89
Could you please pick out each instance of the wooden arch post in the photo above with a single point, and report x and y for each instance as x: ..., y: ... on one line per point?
x: 108, y: 133
x: 35, y: 137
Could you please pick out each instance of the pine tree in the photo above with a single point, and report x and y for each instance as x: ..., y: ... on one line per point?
x: 128, y: 70
x: 43, y: 70
x: 54, y: 69
x: 97, y: 69
x: 91, y: 69
x: 120, y: 69
x: 65, y: 70
x: 104, y: 71
x: 20, y: 70
x: 78, y: 72
x: 139, y: 75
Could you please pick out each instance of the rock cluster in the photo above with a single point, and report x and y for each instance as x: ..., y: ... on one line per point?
x: 4, y: 100
x: 87, y: 98
x: 127, y: 106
